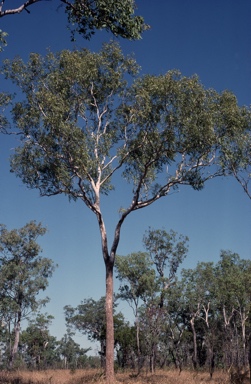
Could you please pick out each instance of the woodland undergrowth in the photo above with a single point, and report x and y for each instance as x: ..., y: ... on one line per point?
x: 97, y: 377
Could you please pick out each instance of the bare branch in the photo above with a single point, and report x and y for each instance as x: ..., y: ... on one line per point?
x: 13, y: 11
x: 244, y: 183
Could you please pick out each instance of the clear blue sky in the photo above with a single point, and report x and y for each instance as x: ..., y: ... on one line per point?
x: 211, y: 38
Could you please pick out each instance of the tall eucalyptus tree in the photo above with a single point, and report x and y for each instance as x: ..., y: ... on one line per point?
x: 81, y: 124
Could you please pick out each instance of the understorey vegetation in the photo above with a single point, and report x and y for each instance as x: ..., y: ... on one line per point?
x: 183, y: 319
x: 95, y: 376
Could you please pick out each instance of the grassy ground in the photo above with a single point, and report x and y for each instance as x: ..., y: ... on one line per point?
x: 90, y: 376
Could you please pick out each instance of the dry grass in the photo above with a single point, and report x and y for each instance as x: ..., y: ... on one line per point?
x: 91, y: 376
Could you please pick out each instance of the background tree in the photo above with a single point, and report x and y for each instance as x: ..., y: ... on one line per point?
x: 73, y: 356
x: 143, y: 280
x: 23, y: 274
x: 167, y: 253
x: 194, y: 295
x: 176, y: 337
x: 138, y: 282
x: 80, y: 125
x: 234, y: 299
x: 38, y: 346
x: 200, y: 306
x: 126, y: 348
x: 151, y: 320
x: 215, y: 302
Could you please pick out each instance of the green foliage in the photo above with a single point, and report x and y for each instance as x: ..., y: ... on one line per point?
x: 140, y: 283
x: 86, y: 17
x: 166, y: 251
x: 203, y: 317
x: 186, y: 124
x: 89, y: 318
x: 73, y: 355
x: 137, y: 277
x: 233, y: 277
x: 5, y: 99
x: 217, y: 299
x: 236, y: 147
x: 67, y: 119
x: 199, y: 286
x: 23, y: 271
x: 139, y: 280
x: 80, y: 124
x: 37, y: 345
x: 23, y: 274
x: 125, y: 345
x: 114, y: 16
x: 3, y: 41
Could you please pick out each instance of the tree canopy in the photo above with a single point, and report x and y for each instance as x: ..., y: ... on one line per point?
x: 80, y: 124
